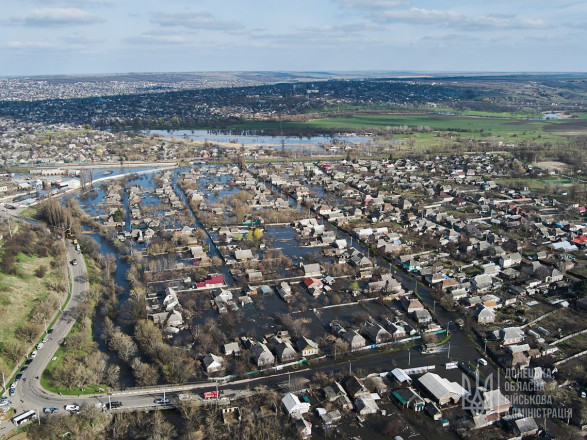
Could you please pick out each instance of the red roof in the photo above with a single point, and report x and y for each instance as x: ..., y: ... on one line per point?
x: 215, y: 280
x: 581, y: 239
x: 309, y: 281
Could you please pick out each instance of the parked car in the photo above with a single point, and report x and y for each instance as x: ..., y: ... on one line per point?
x: 114, y: 404
x: 14, y: 384
x: 50, y: 331
x: 34, y: 354
x: 4, y: 401
x: 162, y: 401
x: 74, y: 262
x: 71, y: 407
x: 40, y: 345
x: 18, y: 376
x: 50, y: 410
x: 482, y: 361
x: 583, y: 394
x: 45, y: 339
x: 12, y: 392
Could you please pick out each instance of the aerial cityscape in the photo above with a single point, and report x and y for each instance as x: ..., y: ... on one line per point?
x: 338, y: 219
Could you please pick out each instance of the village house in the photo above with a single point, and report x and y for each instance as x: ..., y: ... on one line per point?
x: 440, y: 389
x: 212, y: 363
x: 307, y: 347
x: 355, y: 340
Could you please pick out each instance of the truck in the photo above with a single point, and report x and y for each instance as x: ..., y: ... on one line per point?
x: 210, y: 395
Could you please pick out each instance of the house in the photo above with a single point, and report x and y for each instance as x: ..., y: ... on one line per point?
x: 241, y: 255
x: 355, y: 387
x: 293, y: 406
x: 409, y: 398
x: 412, y: 304
x: 172, y: 318
x: 422, y: 316
x: 355, y: 340
x: 307, y: 347
x: 517, y: 360
x: 213, y: 281
x: 375, y: 332
x: 526, y: 427
x: 482, y: 282
x: 232, y: 348
x: 261, y: 355
x: 254, y: 275
x: 440, y: 389
x: 336, y: 394
x: 396, y: 330
x: 401, y: 376
x: 375, y: 383
x: 213, y: 363
x: 493, y: 402
x: 304, y: 428
x: 366, y: 405
x: 509, y: 260
x: 510, y: 335
x: 284, y: 291
x: 486, y: 315
x: 285, y: 352
x: 313, y: 284
x: 331, y: 416
x: 312, y: 270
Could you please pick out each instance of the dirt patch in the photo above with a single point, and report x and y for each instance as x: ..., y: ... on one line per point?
x: 552, y: 165
x: 573, y: 127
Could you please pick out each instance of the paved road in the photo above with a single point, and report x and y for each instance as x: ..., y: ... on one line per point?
x: 29, y: 393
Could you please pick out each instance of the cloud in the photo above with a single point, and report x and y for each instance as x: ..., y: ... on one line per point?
x: 77, y: 3
x: 194, y: 21
x: 314, y: 36
x: 457, y: 19
x: 160, y: 39
x: 27, y: 45
x: 55, y: 17
x: 374, y: 4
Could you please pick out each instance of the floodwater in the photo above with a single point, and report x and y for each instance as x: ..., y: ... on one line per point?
x: 289, y: 143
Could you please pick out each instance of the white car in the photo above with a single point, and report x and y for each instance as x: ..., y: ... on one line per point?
x: 45, y: 339
x: 40, y: 345
x: 34, y: 354
x: 482, y: 361
x: 71, y: 407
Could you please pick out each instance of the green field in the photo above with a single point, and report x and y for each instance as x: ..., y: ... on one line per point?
x: 477, y: 127
x: 20, y: 295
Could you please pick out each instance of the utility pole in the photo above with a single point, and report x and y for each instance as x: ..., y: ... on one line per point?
x: 409, y: 358
x: 448, y: 354
x: 350, y: 369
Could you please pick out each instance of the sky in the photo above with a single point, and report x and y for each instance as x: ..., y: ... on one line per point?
x: 115, y: 36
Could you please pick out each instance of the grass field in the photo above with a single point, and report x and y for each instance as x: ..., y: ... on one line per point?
x: 19, y: 295
x: 482, y: 128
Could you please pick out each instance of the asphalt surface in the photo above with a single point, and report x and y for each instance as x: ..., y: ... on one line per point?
x: 29, y: 393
